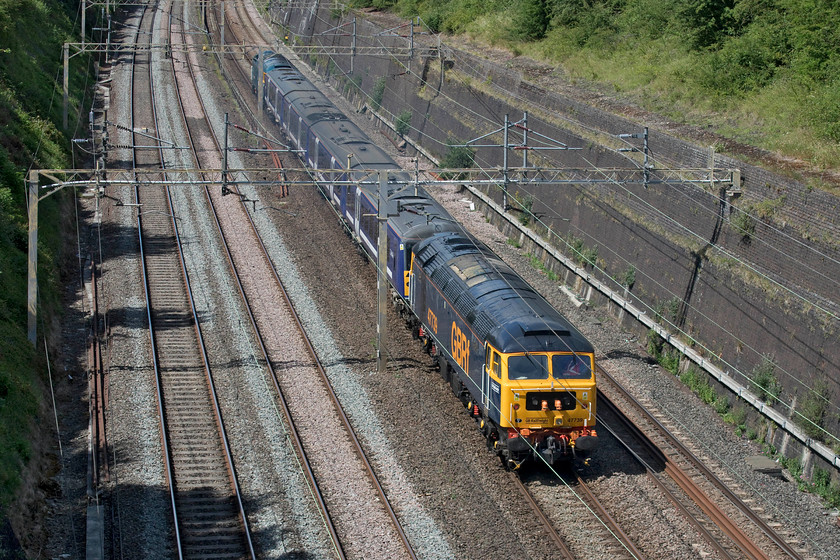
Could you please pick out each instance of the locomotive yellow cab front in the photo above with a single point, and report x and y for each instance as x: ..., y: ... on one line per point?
x: 550, y: 399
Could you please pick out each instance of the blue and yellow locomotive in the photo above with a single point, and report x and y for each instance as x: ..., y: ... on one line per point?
x: 522, y: 370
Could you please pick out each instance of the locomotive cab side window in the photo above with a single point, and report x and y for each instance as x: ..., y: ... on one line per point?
x: 529, y: 366
x: 494, y: 362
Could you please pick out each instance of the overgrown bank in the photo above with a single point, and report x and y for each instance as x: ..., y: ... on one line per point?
x: 31, y: 36
x: 762, y: 72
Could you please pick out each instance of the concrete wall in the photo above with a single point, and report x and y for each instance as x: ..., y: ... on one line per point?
x: 737, y: 297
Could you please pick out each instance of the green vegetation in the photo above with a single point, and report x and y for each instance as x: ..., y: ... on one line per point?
x: 629, y: 277
x: 764, y: 378
x: 526, y: 207
x: 743, y: 222
x: 378, y: 93
x: 813, y: 408
x: 667, y: 311
x: 538, y: 263
x: 820, y: 484
x: 737, y: 416
x: 457, y: 157
x: 403, y: 123
x: 655, y: 344
x: 582, y: 254
x: 764, y: 72
x: 353, y: 85
x: 30, y: 117
x: 699, y: 384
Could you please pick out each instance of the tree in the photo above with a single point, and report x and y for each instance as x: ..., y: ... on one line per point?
x: 531, y: 20
x: 707, y: 22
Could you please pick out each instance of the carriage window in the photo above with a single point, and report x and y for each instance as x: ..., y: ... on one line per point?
x: 569, y: 366
x: 369, y: 224
x: 313, y: 150
x: 529, y: 366
x: 302, y: 139
x: 351, y: 201
x: 294, y: 125
x: 323, y: 156
x: 392, y: 254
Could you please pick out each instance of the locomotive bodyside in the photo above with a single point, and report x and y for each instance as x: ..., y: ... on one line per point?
x: 524, y: 372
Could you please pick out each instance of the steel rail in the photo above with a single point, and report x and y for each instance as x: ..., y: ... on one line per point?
x: 707, y: 474
x: 170, y: 477
x: 556, y: 538
x: 676, y: 502
x: 383, y: 498
x: 216, y: 406
x: 608, y: 519
x: 292, y: 429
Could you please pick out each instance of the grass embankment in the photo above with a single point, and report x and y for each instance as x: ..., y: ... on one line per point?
x: 762, y: 72
x: 31, y: 35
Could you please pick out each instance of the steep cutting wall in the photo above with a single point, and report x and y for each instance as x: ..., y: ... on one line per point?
x: 737, y: 296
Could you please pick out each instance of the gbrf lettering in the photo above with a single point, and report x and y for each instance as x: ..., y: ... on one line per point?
x: 460, y: 347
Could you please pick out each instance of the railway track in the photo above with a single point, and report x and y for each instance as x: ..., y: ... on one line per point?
x: 742, y: 542
x: 259, y: 283
x: 594, y: 520
x: 208, y: 516
x: 601, y: 522
x: 727, y: 523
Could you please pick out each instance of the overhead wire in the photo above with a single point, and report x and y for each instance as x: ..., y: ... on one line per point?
x: 684, y: 228
x: 661, y: 215
x: 559, y: 380
x: 760, y: 273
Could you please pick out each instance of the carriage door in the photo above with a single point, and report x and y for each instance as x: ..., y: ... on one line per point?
x: 357, y: 212
x: 493, y: 375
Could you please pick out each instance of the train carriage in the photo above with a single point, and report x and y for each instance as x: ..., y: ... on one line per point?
x: 329, y: 140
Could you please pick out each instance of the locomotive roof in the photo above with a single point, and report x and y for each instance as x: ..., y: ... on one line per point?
x: 497, y: 303
x: 417, y: 216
